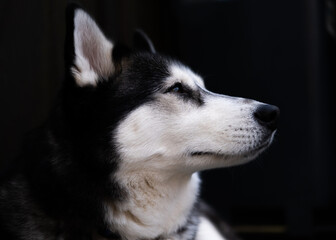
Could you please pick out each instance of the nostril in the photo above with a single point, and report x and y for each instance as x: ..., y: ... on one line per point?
x: 267, y: 115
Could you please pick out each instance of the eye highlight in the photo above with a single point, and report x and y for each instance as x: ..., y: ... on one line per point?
x: 176, y: 88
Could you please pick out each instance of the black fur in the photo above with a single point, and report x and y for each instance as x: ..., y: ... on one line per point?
x: 68, y: 163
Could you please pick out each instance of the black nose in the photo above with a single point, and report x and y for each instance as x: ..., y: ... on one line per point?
x: 267, y: 115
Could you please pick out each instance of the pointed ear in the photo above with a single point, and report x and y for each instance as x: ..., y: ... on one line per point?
x: 89, y: 51
x: 142, y: 42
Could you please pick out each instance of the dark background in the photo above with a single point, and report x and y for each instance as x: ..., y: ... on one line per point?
x: 276, y: 51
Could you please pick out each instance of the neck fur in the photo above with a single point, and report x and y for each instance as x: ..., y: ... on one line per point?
x: 158, y: 204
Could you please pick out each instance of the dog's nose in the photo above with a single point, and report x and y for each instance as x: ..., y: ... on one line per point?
x: 267, y: 115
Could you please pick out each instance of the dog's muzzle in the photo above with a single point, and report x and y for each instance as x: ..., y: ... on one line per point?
x: 267, y: 116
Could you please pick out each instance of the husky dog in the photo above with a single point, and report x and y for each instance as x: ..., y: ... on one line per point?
x: 118, y: 157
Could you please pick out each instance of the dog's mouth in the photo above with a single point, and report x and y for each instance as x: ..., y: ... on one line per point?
x: 246, y: 154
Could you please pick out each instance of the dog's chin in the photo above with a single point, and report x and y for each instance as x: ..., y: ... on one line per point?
x: 216, y: 159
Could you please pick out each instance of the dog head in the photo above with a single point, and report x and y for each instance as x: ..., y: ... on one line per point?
x: 153, y: 111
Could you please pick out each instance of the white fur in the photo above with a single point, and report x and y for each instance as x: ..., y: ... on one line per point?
x: 93, y: 58
x: 158, y: 204
x: 155, y: 143
x: 180, y: 73
x: 170, y: 129
x: 207, y: 231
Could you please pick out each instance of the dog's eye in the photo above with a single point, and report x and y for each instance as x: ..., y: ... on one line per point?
x: 176, y: 88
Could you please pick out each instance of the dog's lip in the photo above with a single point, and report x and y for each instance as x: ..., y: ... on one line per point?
x: 253, y: 151
x: 264, y: 145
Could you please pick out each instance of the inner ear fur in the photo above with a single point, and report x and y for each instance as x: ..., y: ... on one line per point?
x: 92, y: 60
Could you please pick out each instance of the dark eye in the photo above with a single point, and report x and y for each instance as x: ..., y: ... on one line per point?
x: 176, y: 88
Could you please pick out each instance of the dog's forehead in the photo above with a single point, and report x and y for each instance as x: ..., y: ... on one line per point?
x: 182, y: 73
x: 158, y: 69
x: 143, y: 75
x: 148, y: 68
x: 148, y: 73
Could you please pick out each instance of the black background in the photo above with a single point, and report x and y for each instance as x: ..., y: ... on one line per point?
x: 275, y: 51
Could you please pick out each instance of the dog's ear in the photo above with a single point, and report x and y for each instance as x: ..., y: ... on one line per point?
x: 121, y: 53
x: 142, y: 42
x: 88, y: 51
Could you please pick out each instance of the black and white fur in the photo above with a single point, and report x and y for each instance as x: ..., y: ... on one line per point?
x: 118, y: 157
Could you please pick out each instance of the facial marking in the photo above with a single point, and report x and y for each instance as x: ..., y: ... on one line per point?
x: 184, y: 75
x: 182, y: 82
